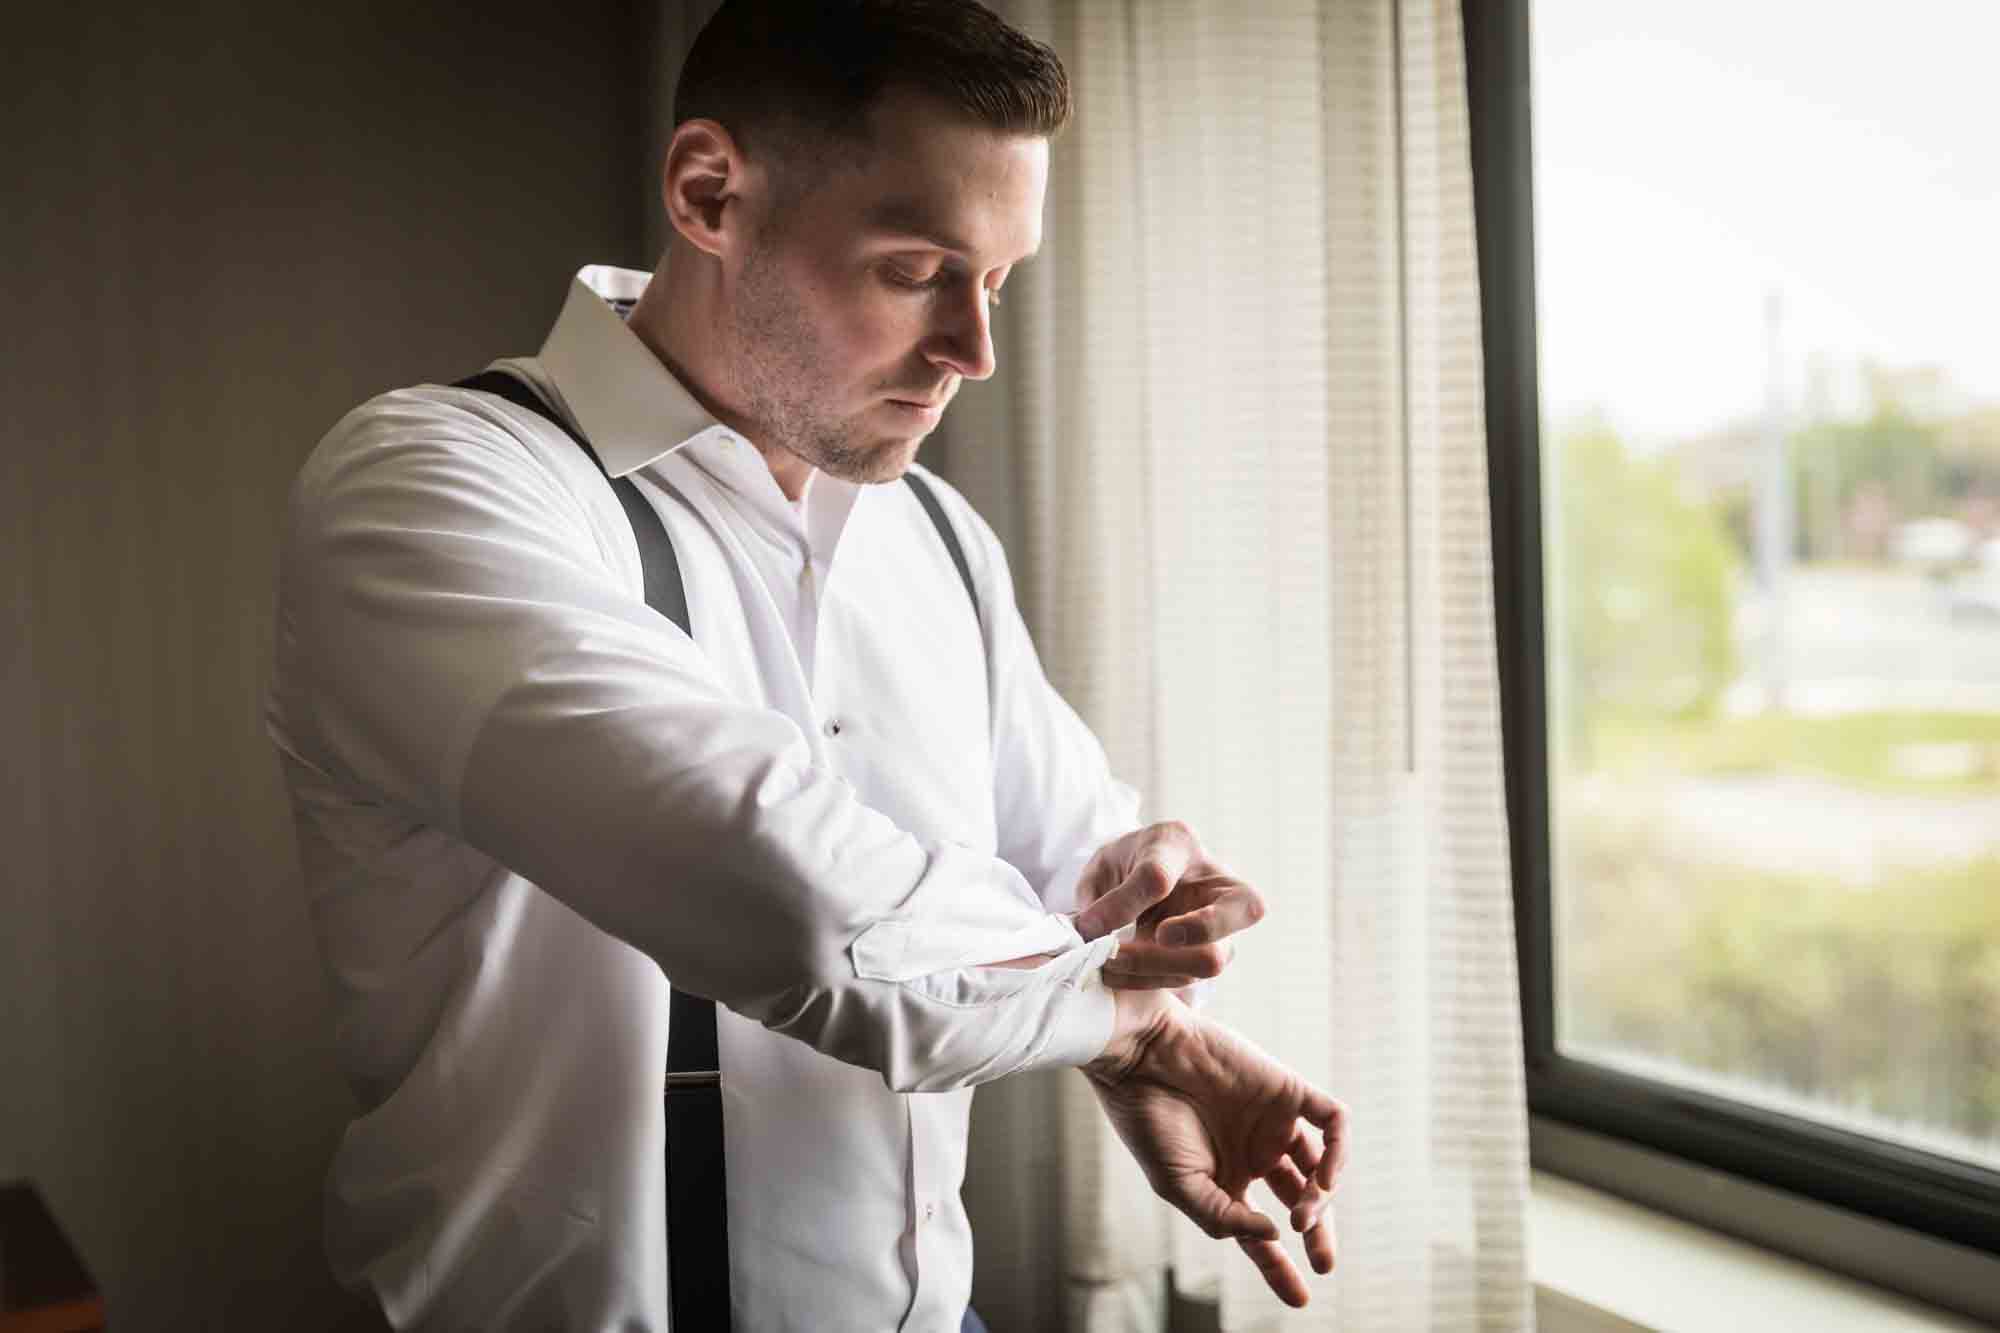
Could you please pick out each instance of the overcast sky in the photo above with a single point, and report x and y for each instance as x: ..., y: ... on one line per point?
x: 1691, y: 156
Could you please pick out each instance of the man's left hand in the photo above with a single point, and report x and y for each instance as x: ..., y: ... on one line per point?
x: 1206, y: 1114
x: 1196, y: 904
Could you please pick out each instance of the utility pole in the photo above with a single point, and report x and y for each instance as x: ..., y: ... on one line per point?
x: 1823, y: 535
x: 1776, y: 506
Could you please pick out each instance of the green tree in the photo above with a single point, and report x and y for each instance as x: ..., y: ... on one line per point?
x: 1644, y: 581
x: 1888, y: 450
x: 1902, y: 451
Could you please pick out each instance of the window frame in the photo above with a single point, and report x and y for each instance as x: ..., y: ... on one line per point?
x: 1587, y: 1115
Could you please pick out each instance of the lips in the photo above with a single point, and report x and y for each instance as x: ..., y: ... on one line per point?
x: 935, y: 399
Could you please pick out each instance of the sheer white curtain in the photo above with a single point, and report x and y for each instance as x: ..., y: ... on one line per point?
x: 1236, y: 446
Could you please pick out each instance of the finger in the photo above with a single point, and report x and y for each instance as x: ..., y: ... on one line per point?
x: 1279, y: 1273
x: 1200, y: 884
x: 1236, y: 908
x: 1286, y: 1181
x: 1150, y: 881
x: 1331, y: 1118
x: 1320, y: 1246
x: 1298, y: 1192
x: 1304, y: 1152
x: 1145, y: 981
x: 1243, y: 1221
x: 1204, y: 960
x: 1309, y: 1216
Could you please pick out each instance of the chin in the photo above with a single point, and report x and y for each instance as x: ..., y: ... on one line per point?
x: 894, y: 461
x: 885, y: 462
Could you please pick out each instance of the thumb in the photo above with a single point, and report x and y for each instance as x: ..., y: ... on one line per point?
x: 1221, y: 1217
x: 1151, y: 880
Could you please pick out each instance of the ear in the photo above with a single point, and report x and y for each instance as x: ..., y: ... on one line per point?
x: 705, y: 173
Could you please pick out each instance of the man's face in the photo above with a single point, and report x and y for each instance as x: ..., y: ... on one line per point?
x: 864, y: 304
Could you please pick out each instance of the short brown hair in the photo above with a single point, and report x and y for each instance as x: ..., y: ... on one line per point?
x: 797, y: 78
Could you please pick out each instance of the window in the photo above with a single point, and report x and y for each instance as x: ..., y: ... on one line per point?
x: 1744, y: 412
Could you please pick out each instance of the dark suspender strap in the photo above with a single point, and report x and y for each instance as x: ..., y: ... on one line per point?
x: 697, y: 1193
x: 943, y: 525
x: 665, y: 592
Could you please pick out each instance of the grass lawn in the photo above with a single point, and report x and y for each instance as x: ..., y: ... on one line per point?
x: 1956, y: 753
x: 1882, y: 1002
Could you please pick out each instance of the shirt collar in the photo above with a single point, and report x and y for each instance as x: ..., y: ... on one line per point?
x: 635, y: 412
x: 628, y: 405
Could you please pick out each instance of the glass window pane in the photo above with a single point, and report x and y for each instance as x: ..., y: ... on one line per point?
x: 1768, y: 260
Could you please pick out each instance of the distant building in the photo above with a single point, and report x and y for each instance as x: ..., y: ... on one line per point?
x: 1720, y: 463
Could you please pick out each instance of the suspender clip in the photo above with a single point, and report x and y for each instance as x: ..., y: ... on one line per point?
x: 690, y: 1080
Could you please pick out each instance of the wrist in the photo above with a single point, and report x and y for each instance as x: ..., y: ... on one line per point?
x: 1143, y: 1020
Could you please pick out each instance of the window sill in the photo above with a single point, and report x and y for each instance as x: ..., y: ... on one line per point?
x: 1601, y: 1263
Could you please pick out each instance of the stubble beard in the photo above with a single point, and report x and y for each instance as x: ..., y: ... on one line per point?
x: 783, y: 381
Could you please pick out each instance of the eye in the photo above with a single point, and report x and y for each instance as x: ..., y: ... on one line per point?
x: 897, y: 277
x: 942, y: 277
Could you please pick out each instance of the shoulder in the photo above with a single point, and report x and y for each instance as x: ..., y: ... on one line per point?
x: 449, y: 426
x: 438, y: 449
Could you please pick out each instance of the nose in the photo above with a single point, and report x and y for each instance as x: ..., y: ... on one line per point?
x: 961, y: 339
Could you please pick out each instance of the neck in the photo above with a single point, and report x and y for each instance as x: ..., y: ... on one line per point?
x: 677, y: 317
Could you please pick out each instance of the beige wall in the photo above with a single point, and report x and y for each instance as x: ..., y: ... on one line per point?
x: 220, y: 232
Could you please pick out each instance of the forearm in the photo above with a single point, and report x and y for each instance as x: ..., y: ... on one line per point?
x: 767, y: 887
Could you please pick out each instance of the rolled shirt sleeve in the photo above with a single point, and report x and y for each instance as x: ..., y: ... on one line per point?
x: 458, y: 640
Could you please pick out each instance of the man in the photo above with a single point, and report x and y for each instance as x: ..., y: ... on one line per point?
x: 849, y: 808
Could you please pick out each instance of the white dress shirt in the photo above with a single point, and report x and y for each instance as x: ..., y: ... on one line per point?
x: 522, y: 797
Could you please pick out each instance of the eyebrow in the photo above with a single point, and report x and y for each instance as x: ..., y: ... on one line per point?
x: 906, y: 217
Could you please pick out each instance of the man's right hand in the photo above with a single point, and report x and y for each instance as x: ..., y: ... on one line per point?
x: 1183, y: 904
x: 1206, y: 1114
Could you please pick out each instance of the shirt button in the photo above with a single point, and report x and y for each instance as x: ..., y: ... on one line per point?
x: 832, y: 727
x: 930, y: 1211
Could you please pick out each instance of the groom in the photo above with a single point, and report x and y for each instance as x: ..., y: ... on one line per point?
x: 844, y: 804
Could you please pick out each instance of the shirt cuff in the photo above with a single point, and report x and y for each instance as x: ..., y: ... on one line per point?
x: 1082, y: 1022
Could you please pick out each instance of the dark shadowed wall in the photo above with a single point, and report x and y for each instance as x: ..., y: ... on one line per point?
x: 224, y: 226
